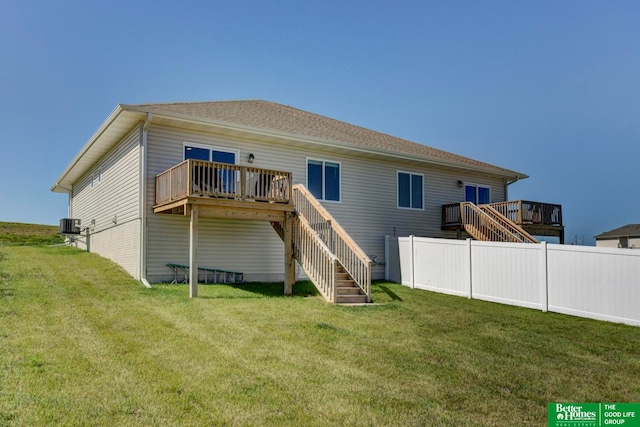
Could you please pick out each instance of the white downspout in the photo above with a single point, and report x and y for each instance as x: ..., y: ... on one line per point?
x: 143, y: 203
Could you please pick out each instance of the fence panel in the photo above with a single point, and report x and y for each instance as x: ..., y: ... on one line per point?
x: 392, y: 260
x: 441, y: 265
x: 592, y: 282
x: 406, y: 260
x: 508, y: 273
x: 599, y: 283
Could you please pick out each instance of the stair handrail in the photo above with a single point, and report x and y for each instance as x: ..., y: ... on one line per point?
x: 315, y: 257
x: 475, y: 219
x: 508, y: 224
x: 354, y: 260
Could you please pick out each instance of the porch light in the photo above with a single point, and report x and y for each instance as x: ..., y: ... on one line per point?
x: 460, y: 183
x: 251, y: 157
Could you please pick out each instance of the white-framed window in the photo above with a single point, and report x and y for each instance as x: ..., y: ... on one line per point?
x: 192, y: 150
x: 323, y: 179
x: 96, y: 177
x: 477, y: 194
x: 410, y: 190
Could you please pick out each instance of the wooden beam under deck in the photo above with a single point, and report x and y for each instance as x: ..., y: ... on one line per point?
x: 210, y: 207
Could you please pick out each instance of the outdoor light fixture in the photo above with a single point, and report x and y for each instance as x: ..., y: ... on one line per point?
x: 251, y: 157
x: 460, y: 183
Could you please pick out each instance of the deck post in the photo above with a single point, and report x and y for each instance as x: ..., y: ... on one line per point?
x: 193, y: 252
x: 289, y: 264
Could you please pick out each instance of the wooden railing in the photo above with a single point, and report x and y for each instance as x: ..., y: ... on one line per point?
x: 199, y: 178
x: 349, y: 254
x: 320, y: 264
x: 482, y: 226
x: 505, y: 222
x: 520, y: 212
x: 526, y: 212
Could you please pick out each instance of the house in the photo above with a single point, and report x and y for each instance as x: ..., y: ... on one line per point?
x: 222, y: 184
x: 627, y: 236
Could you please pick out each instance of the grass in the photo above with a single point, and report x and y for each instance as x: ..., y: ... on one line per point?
x: 19, y: 234
x: 84, y: 344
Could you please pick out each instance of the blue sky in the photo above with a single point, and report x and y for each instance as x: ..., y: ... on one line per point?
x: 548, y: 88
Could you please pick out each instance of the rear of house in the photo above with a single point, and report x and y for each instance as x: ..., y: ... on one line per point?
x: 371, y: 183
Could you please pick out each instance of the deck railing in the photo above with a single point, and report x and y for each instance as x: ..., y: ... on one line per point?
x: 320, y: 264
x: 482, y: 225
x: 520, y: 212
x: 199, y: 178
x: 349, y: 254
x: 526, y: 212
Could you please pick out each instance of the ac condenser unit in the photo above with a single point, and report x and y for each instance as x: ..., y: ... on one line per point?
x: 69, y: 226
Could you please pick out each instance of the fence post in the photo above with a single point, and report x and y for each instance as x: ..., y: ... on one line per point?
x: 469, y: 268
x: 413, y: 262
x: 545, y: 277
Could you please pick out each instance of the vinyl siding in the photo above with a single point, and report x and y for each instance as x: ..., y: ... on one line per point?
x: 632, y: 243
x: 367, y: 210
x: 113, y: 204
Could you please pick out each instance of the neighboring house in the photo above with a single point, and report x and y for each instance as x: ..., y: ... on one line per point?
x: 623, y: 237
x: 373, y: 184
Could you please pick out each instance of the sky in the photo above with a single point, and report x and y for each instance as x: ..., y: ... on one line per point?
x: 547, y: 88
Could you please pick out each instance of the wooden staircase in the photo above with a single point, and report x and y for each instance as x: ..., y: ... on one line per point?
x: 332, y: 260
x: 348, y: 292
x: 485, y: 223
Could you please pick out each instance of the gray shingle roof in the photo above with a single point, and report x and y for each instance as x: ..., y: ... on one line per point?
x: 629, y: 230
x: 270, y: 116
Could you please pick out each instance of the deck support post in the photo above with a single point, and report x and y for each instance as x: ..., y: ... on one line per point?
x: 289, y: 262
x: 193, y: 252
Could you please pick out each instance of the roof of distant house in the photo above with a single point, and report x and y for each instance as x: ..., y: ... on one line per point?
x: 629, y: 230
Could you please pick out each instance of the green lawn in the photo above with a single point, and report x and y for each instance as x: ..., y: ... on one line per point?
x: 81, y: 343
x: 19, y: 234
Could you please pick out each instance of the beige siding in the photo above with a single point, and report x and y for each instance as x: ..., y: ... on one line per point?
x: 368, y: 208
x: 113, y: 205
x: 632, y: 243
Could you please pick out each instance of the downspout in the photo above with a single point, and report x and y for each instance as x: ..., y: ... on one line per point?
x: 506, y: 187
x: 143, y: 202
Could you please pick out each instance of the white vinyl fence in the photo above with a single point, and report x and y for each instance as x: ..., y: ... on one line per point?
x: 593, y: 282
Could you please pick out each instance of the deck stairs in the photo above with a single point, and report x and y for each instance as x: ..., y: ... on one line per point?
x: 483, y: 222
x: 336, y: 265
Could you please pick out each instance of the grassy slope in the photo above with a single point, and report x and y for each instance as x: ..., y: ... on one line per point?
x: 19, y: 234
x: 83, y: 344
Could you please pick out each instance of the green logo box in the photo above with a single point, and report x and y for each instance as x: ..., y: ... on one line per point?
x: 594, y: 414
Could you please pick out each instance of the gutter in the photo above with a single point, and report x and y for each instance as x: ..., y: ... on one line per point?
x: 143, y: 202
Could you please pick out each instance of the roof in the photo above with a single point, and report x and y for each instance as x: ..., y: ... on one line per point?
x: 293, y: 121
x: 629, y: 230
x: 263, y: 118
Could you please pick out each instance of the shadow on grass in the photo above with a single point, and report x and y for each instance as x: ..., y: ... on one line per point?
x: 257, y: 290
x: 389, y: 292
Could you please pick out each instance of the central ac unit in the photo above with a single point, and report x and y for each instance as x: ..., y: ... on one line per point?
x: 69, y: 226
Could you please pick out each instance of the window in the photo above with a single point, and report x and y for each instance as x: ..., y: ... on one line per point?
x: 410, y: 192
x: 477, y: 194
x: 210, y: 154
x: 96, y: 177
x: 220, y: 179
x: 323, y: 179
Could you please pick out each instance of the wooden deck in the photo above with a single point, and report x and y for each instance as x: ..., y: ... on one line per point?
x: 196, y: 189
x: 222, y: 190
x: 536, y: 218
